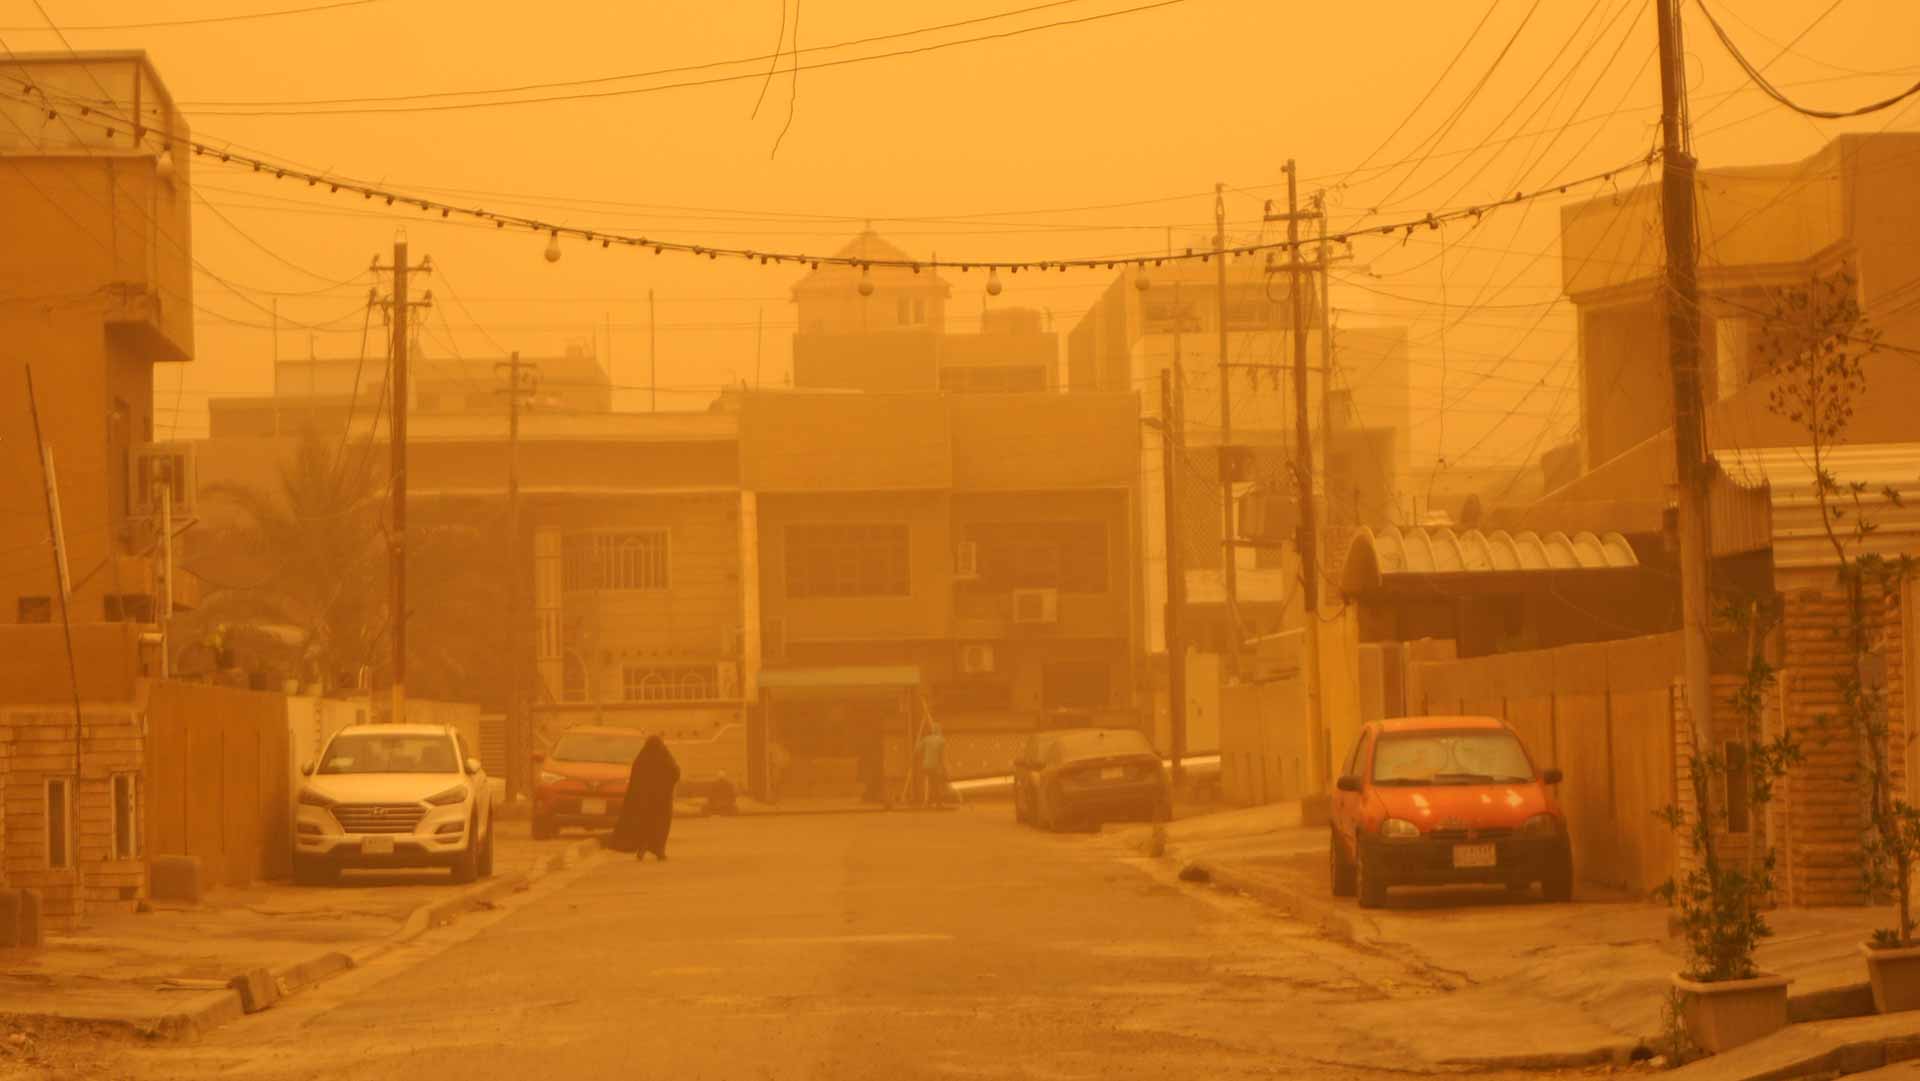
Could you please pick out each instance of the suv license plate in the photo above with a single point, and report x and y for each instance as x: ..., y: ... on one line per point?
x: 1113, y: 773
x: 1473, y: 855
x: 593, y: 806
x: 376, y: 846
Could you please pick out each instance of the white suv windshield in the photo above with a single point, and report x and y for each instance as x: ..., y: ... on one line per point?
x: 373, y: 752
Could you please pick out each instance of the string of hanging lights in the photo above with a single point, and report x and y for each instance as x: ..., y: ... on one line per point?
x: 115, y: 126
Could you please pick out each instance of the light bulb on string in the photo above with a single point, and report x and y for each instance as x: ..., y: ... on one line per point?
x: 993, y: 282
x: 866, y: 282
x: 553, y: 246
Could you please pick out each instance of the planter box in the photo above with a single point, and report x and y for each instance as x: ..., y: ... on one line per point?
x: 1895, y: 975
x: 1727, y: 1013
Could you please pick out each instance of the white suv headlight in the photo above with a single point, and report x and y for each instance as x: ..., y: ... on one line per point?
x: 450, y: 797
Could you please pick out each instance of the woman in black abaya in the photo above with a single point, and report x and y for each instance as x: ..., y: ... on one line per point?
x: 647, y: 814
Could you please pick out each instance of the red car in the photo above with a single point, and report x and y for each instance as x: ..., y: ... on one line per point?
x: 583, y: 780
x: 1430, y: 801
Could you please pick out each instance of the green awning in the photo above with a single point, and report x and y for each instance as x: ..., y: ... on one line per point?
x: 871, y: 677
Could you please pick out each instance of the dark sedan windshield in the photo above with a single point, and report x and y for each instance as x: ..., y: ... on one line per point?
x: 601, y: 747
x: 1470, y: 757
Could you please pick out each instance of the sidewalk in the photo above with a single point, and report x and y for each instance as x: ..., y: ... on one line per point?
x: 1527, y: 984
x: 172, y: 972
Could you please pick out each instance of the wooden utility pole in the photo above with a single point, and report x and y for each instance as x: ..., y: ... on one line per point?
x: 1309, y: 542
x: 64, y: 587
x: 1172, y: 458
x: 1229, y: 554
x: 518, y: 732
x: 1683, y: 352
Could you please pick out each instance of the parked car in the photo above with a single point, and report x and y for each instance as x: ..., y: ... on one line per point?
x: 1427, y: 801
x: 583, y: 780
x: 1095, y: 775
x: 393, y: 795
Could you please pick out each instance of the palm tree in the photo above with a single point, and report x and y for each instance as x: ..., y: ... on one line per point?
x: 311, y: 554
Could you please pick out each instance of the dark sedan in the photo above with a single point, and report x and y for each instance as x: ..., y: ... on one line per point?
x: 1097, y: 775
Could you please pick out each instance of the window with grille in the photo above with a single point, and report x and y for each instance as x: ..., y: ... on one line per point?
x: 669, y: 683
x: 1068, y: 556
x: 635, y: 560
x: 847, y: 561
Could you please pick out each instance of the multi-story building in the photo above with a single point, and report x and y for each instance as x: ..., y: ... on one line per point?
x: 97, y: 272
x: 977, y: 548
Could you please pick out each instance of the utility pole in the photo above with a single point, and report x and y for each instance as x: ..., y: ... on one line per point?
x: 1319, y: 758
x: 1683, y: 351
x: 397, y: 435
x: 518, y: 732
x: 1229, y: 555
x: 1172, y: 455
x: 653, y: 357
x: 166, y: 572
x: 63, y: 586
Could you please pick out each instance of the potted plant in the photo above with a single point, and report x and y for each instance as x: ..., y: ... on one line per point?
x: 1725, y: 1000
x: 1817, y: 354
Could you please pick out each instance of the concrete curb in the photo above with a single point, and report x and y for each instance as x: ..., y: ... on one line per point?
x: 213, y: 1009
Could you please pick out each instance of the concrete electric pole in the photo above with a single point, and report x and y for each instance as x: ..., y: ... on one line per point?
x: 1229, y: 554
x: 520, y: 383
x: 397, y: 436
x: 1172, y: 458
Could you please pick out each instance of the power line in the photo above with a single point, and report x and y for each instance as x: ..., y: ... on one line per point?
x: 1760, y: 80
x: 601, y: 80
x: 204, y: 21
x: 589, y: 95
x: 607, y: 238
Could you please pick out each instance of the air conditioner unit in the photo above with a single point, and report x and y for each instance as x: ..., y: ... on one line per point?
x: 1036, y: 606
x: 154, y: 464
x: 976, y: 659
x: 966, y: 561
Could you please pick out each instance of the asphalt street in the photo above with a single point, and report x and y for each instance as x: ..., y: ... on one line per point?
x: 882, y: 946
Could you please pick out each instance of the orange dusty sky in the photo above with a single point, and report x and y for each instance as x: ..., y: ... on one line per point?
x: 1100, y: 137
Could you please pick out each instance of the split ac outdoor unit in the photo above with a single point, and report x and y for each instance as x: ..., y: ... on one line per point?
x: 976, y: 659
x: 966, y: 561
x: 154, y: 464
x: 1036, y: 606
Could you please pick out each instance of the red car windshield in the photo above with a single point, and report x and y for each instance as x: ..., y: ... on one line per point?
x: 1467, y: 757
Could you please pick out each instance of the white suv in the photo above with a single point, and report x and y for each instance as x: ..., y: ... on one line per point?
x: 393, y: 795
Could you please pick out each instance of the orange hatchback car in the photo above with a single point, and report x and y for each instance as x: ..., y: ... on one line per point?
x: 1433, y: 801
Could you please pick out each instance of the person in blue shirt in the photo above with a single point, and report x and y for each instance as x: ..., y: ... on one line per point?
x: 933, y: 765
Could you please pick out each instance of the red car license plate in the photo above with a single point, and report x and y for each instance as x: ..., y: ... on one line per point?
x: 1474, y: 855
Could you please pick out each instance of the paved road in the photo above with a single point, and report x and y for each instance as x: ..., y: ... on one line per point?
x: 904, y: 945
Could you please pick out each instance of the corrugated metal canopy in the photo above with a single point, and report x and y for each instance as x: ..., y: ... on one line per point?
x: 1802, y: 552
x: 1376, y: 557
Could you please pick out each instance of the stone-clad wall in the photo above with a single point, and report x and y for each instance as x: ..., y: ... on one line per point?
x: 37, y: 744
